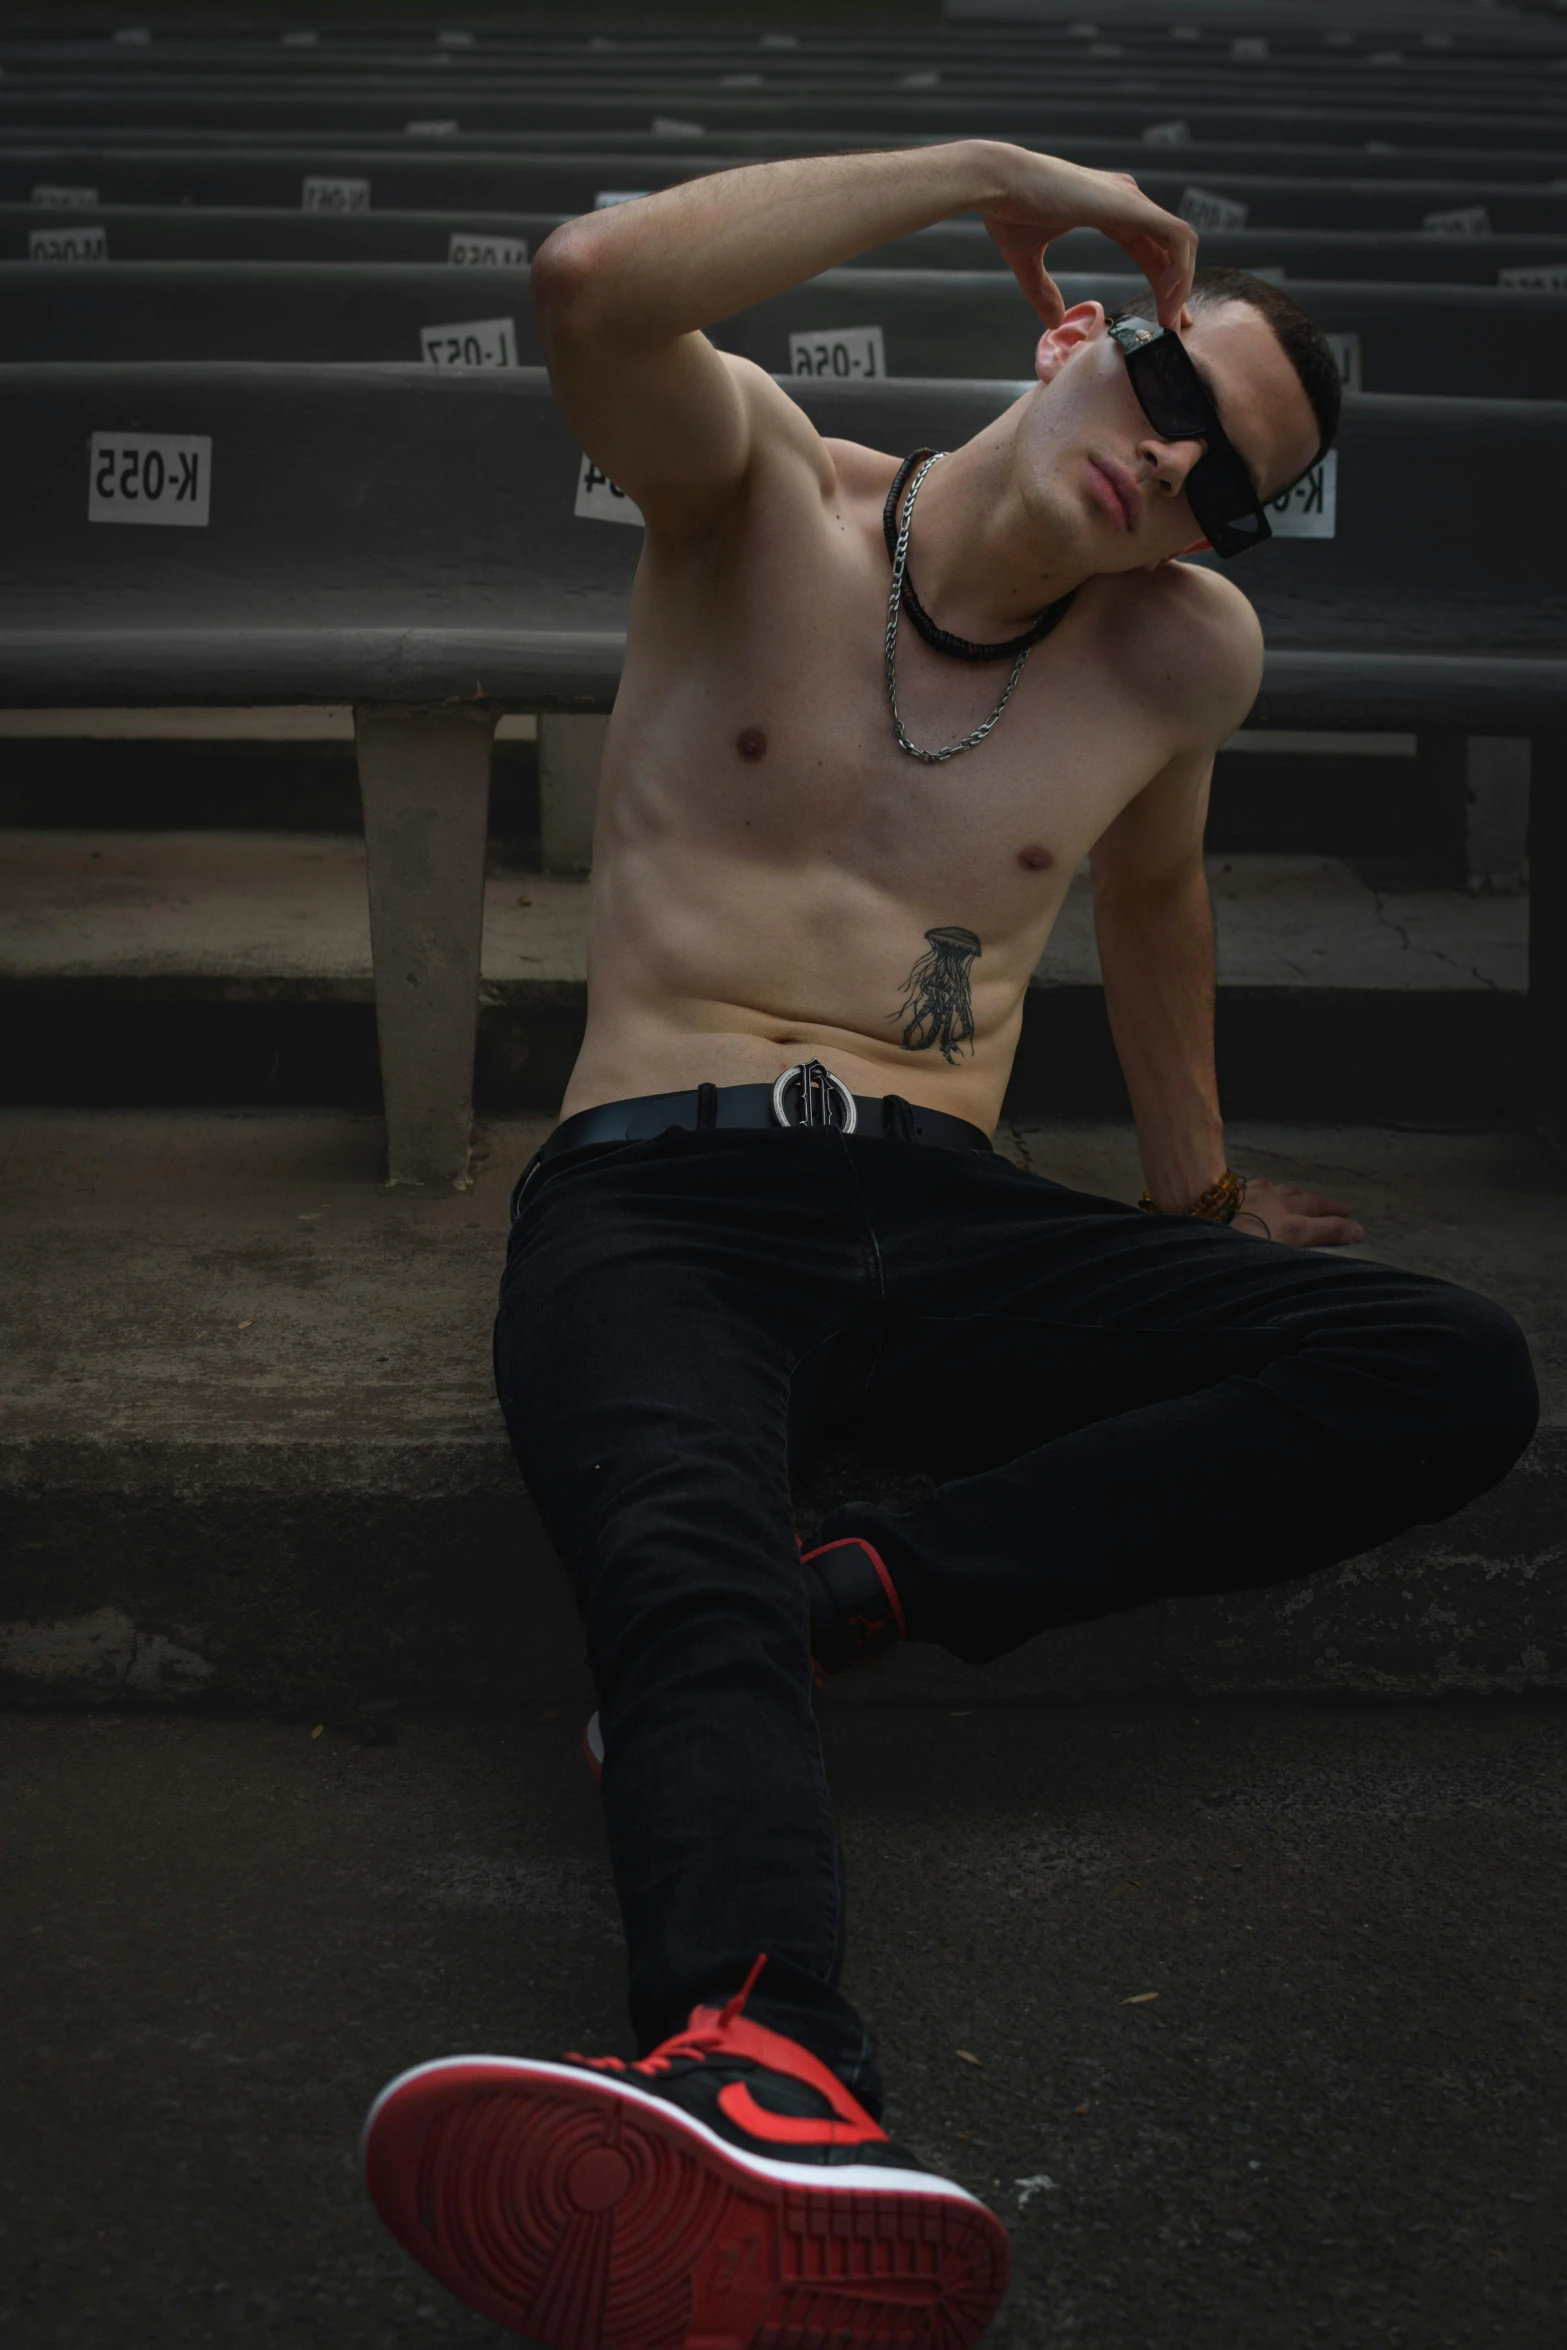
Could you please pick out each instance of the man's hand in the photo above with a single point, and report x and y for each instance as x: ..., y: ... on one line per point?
x: 623, y: 297
x: 1047, y: 197
x: 1300, y: 1218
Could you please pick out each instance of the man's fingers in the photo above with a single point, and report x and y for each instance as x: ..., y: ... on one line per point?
x: 1300, y: 1231
x: 1024, y: 255
x: 1166, y: 254
x: 1024, y: 223
x: 1289, y: 1212
x: 1329, y: 1232
x: 1040, y: 289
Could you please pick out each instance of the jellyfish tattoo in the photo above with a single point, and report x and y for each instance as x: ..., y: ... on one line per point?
x: 936, y: 1007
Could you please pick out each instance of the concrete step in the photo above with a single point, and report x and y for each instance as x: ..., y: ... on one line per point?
x: 249, y: 1452
x: 292, y: 769
x: 235, y: 967
x: 289, y: 769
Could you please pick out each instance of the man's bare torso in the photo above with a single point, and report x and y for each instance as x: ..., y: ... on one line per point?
x: 775, y: 879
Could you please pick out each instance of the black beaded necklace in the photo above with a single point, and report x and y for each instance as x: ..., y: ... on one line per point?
x: 961, y: 648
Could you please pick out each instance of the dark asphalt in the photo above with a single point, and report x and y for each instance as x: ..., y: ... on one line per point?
x: 1340, y: 2122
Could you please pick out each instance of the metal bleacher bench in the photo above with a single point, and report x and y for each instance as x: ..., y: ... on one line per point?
x: 428, y: 546
x: 994, y: 107
x: 89, y: 235
x: 1479, y: 341
x: 199, y: 231
x: 450, y: 178
x: 414, y: 170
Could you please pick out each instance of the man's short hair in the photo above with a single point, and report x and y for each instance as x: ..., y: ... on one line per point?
x: 1301, y: 341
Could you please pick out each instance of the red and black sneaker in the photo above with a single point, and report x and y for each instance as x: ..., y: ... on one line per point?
x: 725, y: 2193
x: 856, y: 1613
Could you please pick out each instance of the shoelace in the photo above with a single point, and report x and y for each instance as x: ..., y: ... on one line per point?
x: 710, y: 2040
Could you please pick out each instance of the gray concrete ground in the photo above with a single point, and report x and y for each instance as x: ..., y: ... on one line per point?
x: 1340, y: 2121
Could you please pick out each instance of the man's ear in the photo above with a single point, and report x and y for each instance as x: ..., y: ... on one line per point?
x: 1083, y: 323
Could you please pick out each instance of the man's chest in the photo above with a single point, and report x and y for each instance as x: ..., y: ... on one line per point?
x: 778, y: 738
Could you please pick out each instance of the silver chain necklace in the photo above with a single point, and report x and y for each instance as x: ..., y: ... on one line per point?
x: 894, y: 603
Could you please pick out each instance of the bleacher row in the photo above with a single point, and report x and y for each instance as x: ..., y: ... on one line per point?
x: 270, y: 295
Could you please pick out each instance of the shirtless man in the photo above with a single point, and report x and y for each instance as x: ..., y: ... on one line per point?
x: 772, y: 1202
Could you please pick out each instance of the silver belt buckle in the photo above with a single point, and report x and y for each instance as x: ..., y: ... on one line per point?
x: 819, y: 1091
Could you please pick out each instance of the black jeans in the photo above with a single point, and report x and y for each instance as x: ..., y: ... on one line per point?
x: 1117, y: 1407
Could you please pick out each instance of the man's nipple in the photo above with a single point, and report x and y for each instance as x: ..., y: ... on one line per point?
x: 1035, y: 859
x: 752, y: 744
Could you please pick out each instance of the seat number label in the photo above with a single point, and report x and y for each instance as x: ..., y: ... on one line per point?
x: 1310, y: 509
x: 90, y: 242
x: 1468, y: 220
x: 601, y: 500
x: 321, y: 193
x: 843, y: 351
x: 486, y: 252
x: 63, y: 199
x: 1540, y: 277
x: 150, y: 477
x: 472, y: 342
x: 1201, y: 209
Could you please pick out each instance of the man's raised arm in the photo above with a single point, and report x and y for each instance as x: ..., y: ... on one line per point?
x: 623, y: 295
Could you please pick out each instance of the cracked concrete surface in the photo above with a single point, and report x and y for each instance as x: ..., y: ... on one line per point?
x: 1384, y: 903
x: 1338, y: 2122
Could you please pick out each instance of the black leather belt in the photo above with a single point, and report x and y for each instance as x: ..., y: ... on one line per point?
x: 808, y: 1095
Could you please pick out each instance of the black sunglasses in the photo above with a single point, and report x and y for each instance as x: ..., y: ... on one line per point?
x: 1175, y: 400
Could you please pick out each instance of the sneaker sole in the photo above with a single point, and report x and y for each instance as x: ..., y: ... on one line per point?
x: 588, y: 2215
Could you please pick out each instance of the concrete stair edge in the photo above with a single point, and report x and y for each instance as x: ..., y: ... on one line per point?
x: 250, y: 1456
x: 342, y: 1587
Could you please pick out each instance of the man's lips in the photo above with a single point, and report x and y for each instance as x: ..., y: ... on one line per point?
x: 1116, y: 491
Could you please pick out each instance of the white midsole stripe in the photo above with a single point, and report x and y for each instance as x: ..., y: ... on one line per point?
x: 863, y: 2178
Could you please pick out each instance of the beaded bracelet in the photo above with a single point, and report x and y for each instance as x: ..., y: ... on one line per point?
x: 1219, y: 1204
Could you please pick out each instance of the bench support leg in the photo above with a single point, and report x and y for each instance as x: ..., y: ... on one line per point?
x: 570, y: 749
x: 424, y: 776
x: 1548, y: 937
x: 1496, y: 814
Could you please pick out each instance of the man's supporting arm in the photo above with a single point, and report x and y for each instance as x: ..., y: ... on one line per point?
x: 1153, y: 919
x: 623, y: 294
x: 1156, y: 954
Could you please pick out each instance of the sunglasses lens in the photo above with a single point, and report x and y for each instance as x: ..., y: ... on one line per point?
x: 1220, y: 494
x: 1169, y: 390
x: 1234, y: 536
x: 1211, y: 490
x: 1219, y: 488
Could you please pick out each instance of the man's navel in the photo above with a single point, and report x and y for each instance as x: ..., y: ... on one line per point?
x: 1035, y: 859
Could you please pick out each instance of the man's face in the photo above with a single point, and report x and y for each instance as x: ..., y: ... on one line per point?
x: 1095, y: 472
